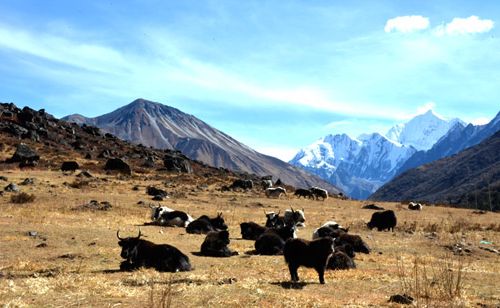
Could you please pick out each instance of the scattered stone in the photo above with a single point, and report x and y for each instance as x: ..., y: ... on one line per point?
x: 42, y: 245
x: 401, y: 299
x: 32, y: 233
x: 70, y: 256
x: 372, y: 207
x: 3, y: 178
x: 141, y: 203
x: 479, y: 212
x: 489, y: 249
x: 92, y: 243
x: 135, y: 188
x: 28, y: 181
x: 230, y: 280
x: 11, y: 188
x: 94, y: 205
x: 85, y: 174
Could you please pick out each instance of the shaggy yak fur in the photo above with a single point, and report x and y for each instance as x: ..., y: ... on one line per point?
x: 141, y: 253
x: 205, y: 224
x: 215, y: 245
x: 314, y: 254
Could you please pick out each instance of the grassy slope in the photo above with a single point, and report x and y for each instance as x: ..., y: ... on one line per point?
x: 31, y: 276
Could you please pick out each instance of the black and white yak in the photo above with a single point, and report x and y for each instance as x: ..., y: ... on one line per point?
x: 165, y: 216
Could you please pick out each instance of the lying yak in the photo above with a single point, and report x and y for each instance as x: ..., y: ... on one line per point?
x: 215, y: 245
x: 205, y: 224
x: 141, y: 253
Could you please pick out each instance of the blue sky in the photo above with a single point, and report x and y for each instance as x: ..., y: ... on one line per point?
x: 276, y: 75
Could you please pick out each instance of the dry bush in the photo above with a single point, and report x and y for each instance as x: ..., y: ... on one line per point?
x: 22, y: 197
x: 79, y: 184
x: 433, y: 282
x: 162, y: 299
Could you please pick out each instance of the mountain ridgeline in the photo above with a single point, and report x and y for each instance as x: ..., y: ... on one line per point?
x: 163, y: 127
x: 470, y: 179
x: 361, y: 165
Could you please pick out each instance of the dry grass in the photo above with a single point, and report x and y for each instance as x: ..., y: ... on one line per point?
x: 22, y: 197
x: 74, y: 258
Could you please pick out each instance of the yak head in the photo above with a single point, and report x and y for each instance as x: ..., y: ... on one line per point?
x: 128, y: 245
x: 218, y: 222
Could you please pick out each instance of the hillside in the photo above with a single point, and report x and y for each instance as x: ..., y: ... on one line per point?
x: 470, y: 178
x: 57, y: 251
x: 163, y: 127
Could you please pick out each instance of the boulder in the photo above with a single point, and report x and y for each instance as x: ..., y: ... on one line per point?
x: 24, y: 155
x: 117, y: 164
x: 177, y: 162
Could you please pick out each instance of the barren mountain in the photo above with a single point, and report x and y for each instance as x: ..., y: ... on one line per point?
x: 164, y: 127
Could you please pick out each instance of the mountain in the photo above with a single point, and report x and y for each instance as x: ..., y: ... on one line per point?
x: 357, y: 166
x: 458, y: 138
x: 470, y: 178
x: 163, y: 127
x: 423, y: 131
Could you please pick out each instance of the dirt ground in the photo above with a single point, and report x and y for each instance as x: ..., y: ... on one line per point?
x: 436, y: 255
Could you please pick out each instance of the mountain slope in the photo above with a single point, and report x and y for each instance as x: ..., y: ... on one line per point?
x: 358, y: 167
x: 457, y: 139
x: 470, y: 178
x: 164, y: 127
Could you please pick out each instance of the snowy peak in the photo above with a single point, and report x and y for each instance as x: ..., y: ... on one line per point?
x: 423, y: 131
x: 358, y: 166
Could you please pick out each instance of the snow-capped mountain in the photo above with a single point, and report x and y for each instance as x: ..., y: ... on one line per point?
x: 361, y: 165
x: 423, y: 131
x: 357, y: 166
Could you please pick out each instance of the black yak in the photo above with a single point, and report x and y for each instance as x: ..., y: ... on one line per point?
x: 385, y: 220
x: 314, y: 254
x: 141, y: 253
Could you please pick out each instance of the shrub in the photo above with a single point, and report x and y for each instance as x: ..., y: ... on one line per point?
x: 22, y: 197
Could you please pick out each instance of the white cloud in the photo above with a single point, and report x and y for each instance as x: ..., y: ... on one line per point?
x: 407, y: 24
x: 461, y: 26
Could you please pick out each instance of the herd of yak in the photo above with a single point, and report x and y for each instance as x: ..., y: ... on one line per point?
x: 331, y: 247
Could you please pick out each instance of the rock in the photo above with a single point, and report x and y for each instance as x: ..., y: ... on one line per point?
x: 3, y: 178
x: 11, y: 188
x: 24, y: 155
x: 85, y: 174
x: 32, y: 233
x: 95, y: 205
x: 41, y: 245
x: 28, y: 181
x: 177, y: 162
x: 401, y: 299
x: 70, y: 166
x: 372, y: 207
x: 117, y: 164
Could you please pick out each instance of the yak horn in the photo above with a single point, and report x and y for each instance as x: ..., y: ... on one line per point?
x: 139, y: 234
x: 118, y: 234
